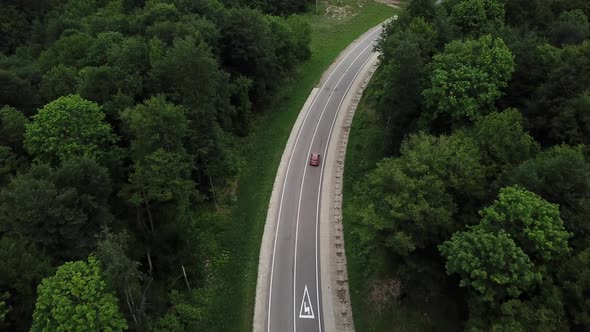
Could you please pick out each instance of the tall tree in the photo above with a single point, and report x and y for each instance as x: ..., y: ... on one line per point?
x: 59, y: 81
x: 247, y: 49
x: 22, y: 267
x: 561, y: 175
x: 467, y: 78
x: 12, y: 128
x: 476, y: 17
x: 503, y: 142
x: 574, y: 275
x: 156, y: 124
x: 68, y: 127
x: 572, y: 27
x: 60, y: 210
x: 75, y: 299
x: 490, y: 264
x: 552, y: 112
x: 411, y: 202
x: 533, y: 223
x: 122, y: 275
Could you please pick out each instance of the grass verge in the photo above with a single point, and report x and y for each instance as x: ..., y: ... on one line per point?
x: 233, y: 301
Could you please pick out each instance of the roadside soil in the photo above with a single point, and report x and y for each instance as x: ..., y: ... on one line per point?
x: 392, y: 3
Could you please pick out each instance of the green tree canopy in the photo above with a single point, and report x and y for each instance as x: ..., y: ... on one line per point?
x: 156, y: 124
x: 561, y: 175
x: 70, y: 50
x: 556, y: 112
x: 398, y: 92
x: 533, y: 223
x: 572, y: 27
x: 467, y: 78
x: 502, y: 141
x: 574, y: 275
x: 76, y: 299
x: 60, y: 210
x: 544, y: 312
x: 247, y: 49
x: 475, y: 17
x: 12, y: 128
x: 68, y: 127
x: 59, y: 81
x: 410, y: 202
x: 490, y: 264
x: 22, y: 267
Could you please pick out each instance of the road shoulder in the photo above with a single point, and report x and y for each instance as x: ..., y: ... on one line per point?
x: 270, y: 227
x: 337, y: 311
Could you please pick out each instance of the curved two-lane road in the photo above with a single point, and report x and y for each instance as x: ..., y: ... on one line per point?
x: 293, y: 300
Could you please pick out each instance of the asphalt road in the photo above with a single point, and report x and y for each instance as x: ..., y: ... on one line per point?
x: 294, y: 294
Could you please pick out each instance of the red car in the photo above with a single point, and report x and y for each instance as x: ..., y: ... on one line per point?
x: 314, y: 159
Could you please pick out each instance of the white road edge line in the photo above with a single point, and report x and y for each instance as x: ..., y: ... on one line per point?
x: 322, y: 176
x: 287, y: 175
x: 301, y: 194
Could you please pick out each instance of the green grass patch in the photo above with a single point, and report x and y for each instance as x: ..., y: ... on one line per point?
x: 435, y: 312
x: 233, y: 300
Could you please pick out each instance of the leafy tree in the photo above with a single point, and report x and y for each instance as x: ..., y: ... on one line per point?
x: 550, y: 114
x: 529, y: 13
x: 122, y: 274
x: 156, y: 124
x: 22, y: 267
x: 561, y: 175
x: 398, y: 92
x: 490, y: 264
x: 572, y: 123
x: 14, y: 28
x: 574, y: 275
x: 70, y: 50
x: 422, y: 8
x: 12, y: 128
x: 533, y: 223
x: 283, y: 39
x: 15, y: 91
x: 301, y: 34
x: 475, y: 17
x: 161, y: 191
x: 465, y: 80
x: 102, y: 46
x: 59, y: 210
x: 559, y: 6
x: 158, y: 178
x: 189, y: 74
x: 67, y: 127
x: 59, y: 81
x: 186, y: 314
x: 410, y: 202
x: 76, y: 298
x: 398, y: 83
x: 572, y: 27
x: 534, y: 59
x: 98, y: 84
x: 502, y: 140
x: 8, y: 164
x: 131, y: 55
x: 247, y: 49
x: 544, y: 312
x: 3, y: 308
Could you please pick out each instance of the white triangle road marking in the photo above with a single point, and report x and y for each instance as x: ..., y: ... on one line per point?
x: 306, y: 310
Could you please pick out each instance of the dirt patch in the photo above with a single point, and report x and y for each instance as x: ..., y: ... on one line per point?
x: 339, y: 13
x: 392, y: 3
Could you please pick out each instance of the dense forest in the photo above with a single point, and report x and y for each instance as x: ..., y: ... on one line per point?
x: 485, y: 189
x: 118, y: 125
